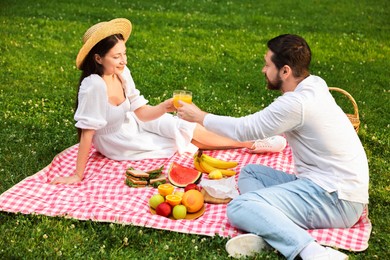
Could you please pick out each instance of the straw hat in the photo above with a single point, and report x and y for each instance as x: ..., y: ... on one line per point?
x: 98, y: 32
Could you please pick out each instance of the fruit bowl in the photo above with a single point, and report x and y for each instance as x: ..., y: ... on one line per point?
x: 189, y: 216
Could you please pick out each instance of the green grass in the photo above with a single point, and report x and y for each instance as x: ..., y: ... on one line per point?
x: 215, y: 49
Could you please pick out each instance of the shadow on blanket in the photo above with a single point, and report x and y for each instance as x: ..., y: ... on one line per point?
x: 103, y: 196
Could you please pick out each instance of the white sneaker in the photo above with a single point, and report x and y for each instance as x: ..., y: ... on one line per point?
x: 328, y: 254
x: 274, y: 144
x: 244, y: 245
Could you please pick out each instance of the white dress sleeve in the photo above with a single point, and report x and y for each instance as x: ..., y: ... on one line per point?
x: 133, y: 94
x: 92, y: 104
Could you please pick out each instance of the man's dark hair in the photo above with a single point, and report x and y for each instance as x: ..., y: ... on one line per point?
x: 291, y: 50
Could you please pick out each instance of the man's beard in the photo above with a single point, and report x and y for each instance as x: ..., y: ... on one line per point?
x: 274, y: 85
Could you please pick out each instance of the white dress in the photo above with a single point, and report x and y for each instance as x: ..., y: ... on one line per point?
x: 120, y: 135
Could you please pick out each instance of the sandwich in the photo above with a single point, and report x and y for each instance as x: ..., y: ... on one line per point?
x: 158, y: 180
x: 136, y: 178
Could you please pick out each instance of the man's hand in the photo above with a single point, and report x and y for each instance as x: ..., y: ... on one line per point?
x: 191, y: 113
x: 66, y: 180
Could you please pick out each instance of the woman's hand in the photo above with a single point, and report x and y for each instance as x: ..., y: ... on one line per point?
x: 168, y: 105
x: 66, y: 180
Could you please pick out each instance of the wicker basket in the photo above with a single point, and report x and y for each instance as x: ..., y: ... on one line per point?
x: 354, y: 118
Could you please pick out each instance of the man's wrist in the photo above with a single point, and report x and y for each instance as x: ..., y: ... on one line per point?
x: 202, y: 118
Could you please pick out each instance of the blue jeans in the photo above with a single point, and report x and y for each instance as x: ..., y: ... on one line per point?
x: 280, y: 208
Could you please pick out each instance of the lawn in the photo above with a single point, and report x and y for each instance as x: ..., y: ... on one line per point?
x: 213, y: 48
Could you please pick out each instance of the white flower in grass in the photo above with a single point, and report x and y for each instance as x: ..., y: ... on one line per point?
x: 166, y: 247
x: 125, y: 241
x: 45, y: 236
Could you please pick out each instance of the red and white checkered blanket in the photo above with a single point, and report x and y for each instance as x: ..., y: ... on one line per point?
x: 103, y: 196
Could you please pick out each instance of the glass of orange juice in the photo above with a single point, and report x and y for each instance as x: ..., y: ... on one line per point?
x: 183, y: 95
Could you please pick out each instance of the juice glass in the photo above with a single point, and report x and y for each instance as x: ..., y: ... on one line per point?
x: 183, y: 95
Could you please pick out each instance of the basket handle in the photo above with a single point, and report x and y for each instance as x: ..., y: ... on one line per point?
x: 355, y: 107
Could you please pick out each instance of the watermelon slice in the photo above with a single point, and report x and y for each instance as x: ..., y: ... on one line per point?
x: 181, y: 176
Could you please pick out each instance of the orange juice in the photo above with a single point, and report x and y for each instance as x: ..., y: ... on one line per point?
x: 176, y: 98
x: 185, y: 96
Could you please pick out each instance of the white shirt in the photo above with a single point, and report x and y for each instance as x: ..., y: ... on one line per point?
x: 326, y: 148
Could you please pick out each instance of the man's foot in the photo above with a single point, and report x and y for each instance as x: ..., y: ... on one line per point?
x: 245, y: 245
x: 273, y: 144
x: 328, y: 254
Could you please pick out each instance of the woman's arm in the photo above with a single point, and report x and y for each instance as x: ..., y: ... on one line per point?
x: 147, y: 112
x: 82, y: 159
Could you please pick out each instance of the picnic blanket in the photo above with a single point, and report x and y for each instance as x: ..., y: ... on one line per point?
x: 103, y: 196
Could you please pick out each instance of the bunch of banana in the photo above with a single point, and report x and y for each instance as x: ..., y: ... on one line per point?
x: 206, y: 163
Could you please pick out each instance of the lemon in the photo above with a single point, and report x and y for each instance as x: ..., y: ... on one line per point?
x: 215, y: 174
x: 179, y: 193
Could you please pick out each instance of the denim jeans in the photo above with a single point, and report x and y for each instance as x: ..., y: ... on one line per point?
x: 280, y: 208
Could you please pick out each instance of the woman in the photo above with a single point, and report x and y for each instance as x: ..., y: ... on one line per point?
x: 114, y: 117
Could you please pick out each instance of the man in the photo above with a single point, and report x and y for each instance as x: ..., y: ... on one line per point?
x: 330, y: 186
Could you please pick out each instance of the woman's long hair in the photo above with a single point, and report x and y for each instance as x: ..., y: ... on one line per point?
x: 90, y: 66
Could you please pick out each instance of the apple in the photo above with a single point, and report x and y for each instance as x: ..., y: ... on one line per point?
x: 192, y: 186
x: 156, y: 200
x: 179, y: 212
x: 164, y: 209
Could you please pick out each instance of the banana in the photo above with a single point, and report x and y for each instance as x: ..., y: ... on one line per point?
x: 217, y: 163
x: 208, y: 168
x: 228, y: 173
x: 197, y: 164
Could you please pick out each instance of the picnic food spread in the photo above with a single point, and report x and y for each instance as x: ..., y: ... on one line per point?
x: 208, y: 164
x: 177, y: 204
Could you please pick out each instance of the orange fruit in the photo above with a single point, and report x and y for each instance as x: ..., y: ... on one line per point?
x: 172, y: 199
x: 165, y: 189
x: 193, y: 200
